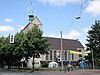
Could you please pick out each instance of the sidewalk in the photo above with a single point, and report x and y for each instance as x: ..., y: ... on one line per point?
x: 70, y: 72
x: 56, y: 72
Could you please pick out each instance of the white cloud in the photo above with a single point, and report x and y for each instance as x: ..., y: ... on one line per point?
x: 58, y: 2
x: 93, y: 7
x: 8, y: 20
x: 6, y: 28
x: 86, y: 29
x: 73, y: 34
x: 53, y: 35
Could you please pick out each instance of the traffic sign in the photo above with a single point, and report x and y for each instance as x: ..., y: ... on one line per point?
x: 11, y: 38
x: 84, y: 53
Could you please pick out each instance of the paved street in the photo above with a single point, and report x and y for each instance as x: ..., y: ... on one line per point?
x: 80, y: 72
x: 77, y: 72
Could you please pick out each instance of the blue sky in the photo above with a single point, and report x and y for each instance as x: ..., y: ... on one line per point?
x: 55, y: 15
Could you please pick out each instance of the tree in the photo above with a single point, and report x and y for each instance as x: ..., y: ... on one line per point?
x: 2, y: 46
x: 36, y: 44
x: 12, y: 52
x: 31, y: 44
x: 94, y: 41
x: 19, y: 50
x: 6, y: 51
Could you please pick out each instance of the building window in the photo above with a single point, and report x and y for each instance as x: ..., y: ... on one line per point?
x: 68, y: 55
x: 59, y: 54
x: 46, y: 56
x: 65, y: 55
x: 62, y: 55
x: 36, y: 62
x: 80, y: 55
x: 72, y: 56
x: 50, y: 55
x: 54, y: 55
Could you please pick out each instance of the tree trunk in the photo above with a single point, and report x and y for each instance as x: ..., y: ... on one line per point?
x: 2, y: 64
x: 33, y: 68
x: 19, y: 65
x: 9, y: 64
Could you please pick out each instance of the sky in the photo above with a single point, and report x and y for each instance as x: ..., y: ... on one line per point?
x: 55, y: 16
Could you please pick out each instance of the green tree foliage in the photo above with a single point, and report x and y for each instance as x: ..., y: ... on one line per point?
x: 19, y: 51
x: 94, y: 41
x: 44, y: 63
x: 36, y: 43
x: 6, y: 51
x: 2, y: 53
x: 18, y: 45
x: 31, y: 44
x: 12, y: 52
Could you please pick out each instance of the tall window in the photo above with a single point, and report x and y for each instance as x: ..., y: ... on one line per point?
x: 46, y: 56
x: 50, y: 55
x: 80, y: 55
x: 59, y: 54
x: 65, y: 55
x: 68, y: 55
x: 54, y: 55
x: 72, y: 56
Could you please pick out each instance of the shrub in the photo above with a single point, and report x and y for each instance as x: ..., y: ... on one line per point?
x: 44, y: 63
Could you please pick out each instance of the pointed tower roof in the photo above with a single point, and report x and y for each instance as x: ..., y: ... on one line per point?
x: 32, y: 21
x: 31, y: 16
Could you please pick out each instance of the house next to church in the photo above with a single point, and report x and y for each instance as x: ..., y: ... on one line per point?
x: 55, y: 53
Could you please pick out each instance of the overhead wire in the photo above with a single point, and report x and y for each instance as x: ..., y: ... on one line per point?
x: 78, y: 15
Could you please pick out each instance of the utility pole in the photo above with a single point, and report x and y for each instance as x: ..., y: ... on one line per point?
x: 61, y: 51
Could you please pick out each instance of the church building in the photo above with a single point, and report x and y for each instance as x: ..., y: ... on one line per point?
x: 55, y: 53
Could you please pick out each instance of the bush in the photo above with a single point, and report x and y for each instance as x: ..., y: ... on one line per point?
x: 44, y: 63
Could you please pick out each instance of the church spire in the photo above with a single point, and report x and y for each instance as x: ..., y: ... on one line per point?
x: 31, y: 16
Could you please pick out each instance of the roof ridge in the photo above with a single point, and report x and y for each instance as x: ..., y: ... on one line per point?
x: 62, y: 38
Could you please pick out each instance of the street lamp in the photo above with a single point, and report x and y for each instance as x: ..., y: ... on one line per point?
x: 78, y: 17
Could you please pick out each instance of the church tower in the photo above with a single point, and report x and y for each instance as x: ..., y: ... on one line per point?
x: 33, y: 21
x: 31, y: 16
